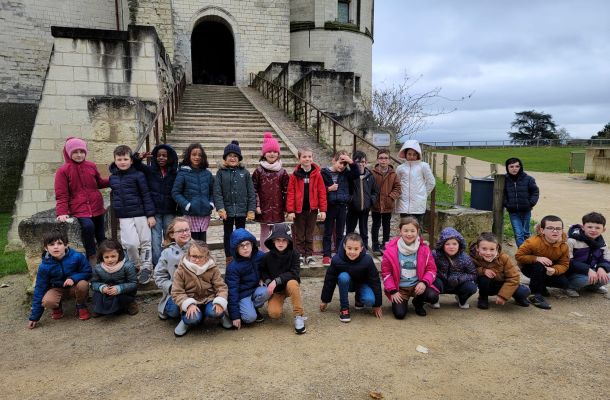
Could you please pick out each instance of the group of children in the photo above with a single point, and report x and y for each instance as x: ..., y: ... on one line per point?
x: 146, y: 199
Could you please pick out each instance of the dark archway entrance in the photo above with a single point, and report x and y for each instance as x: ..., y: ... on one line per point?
x: 213, y: 54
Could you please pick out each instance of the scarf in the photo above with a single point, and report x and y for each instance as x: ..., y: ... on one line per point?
x: 196, y: 269
x: 276, y: 166
x: 408, y: 249
x: 114, y: 268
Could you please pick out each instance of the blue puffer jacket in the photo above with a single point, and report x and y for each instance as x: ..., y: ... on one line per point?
x: 520, y: 191
x: 52, y: 273
x: 130, y: 195
x: 343, y: 194
x: 242, y: 273
x: 194, y: 186
x: 234, y: 191
x: 455, y: 270
x: 161, y: 186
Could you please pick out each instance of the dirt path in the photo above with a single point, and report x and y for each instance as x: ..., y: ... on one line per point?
x: 506, y: 352
x: 569, y: 196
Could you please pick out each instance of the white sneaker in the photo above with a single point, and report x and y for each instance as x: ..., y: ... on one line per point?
x: 601, y: 290
x: 464, y: 306
x: 436, y: 305
x: 299, y: 324
x: 162, y: 316
x: 302, y: 261
x: 310, y: 260
x: 181, y: 329
x: 571, y: 293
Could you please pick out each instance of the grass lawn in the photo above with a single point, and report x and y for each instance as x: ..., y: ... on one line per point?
x: 13, y: 262
x: 539, y: 159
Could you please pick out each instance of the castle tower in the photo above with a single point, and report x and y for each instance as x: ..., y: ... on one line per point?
x: 336, y: 32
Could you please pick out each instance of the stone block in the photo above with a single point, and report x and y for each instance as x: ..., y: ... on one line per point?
x: 468, y: 221
x: 60, y: 73
x: 39, y: 195
x: 148, y: 92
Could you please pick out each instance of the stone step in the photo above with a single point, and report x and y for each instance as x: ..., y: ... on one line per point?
x: 211, y: 129
x: 220, y: 123
x: 253, y: 139
x: 220, y: 145
x: 253, y: 117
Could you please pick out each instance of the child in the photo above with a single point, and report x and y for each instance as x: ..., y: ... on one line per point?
x: 233, y: 194
x: 544, y: 259
x: 352, y: 270
x: 456, y: 273
x: 408, y: 270
x: 177, y: 239
x: 389, y: 190
x: 589, y: 255
x: 416, y: 182
x: 365, y: 195
x: 497, y: 275
x: 160, y: 176
x: 280, y: 272
x: 305, y: 203
x: 198, y: 288
x: 77, y: 185
x: 114, y: 282
x: 520, y: 196
x: 63, y: 272
x: 194, y: 189
x: 135, y: 210
x: 338, y: 180
x: 270, y: 182
x: 245, y: 294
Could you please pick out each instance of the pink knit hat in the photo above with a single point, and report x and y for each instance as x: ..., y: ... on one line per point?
x: 72, y: 144
x: 269, y: 144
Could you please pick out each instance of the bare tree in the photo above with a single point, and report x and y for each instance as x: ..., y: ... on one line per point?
x: 563, y: 135
x: 402, y: 111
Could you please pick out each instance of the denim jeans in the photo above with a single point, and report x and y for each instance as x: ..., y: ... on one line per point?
x: 157, y: 232
x: 204, y: 311
x: 335, y: 220
x: 579, y: 281
x: 247, y: 309
x: 520, y: 222
x: 171, y: 309
x: 92, y: 231
x: 364, y: 293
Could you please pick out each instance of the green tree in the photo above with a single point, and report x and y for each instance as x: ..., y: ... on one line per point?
x: 532, y: 126
x: 604, y: 133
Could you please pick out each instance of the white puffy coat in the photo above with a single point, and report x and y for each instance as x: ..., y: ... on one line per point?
x: 416, y: 182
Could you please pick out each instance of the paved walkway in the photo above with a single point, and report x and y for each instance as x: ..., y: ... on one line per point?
x: 569, y: 196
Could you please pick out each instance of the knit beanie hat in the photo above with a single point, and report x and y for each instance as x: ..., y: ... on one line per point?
x: 73, y: 144
x: 232, y: 147
x: 269, y: 144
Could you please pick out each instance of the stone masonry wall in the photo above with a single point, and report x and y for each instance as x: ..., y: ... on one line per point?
x: 260, y: 30
x: 98, y: 86
x: 157, y: 13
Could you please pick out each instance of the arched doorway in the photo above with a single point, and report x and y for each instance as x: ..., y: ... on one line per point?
x: 213, y: 53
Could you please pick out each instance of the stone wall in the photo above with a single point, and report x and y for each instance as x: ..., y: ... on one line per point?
x: 260, y: 31
x: 102, y: 86
x: 295, y: 70
x: 157, y: 13
x: 597, y: 164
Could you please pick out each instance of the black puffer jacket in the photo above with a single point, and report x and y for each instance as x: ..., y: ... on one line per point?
x: 160, y: 185
x: 365, y: 191
x: 520, y: 191
x: 130, y: 195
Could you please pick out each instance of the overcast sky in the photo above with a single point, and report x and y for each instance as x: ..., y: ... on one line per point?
x: 545, y: 55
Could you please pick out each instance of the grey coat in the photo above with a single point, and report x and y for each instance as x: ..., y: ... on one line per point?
x: 234, y: 191
x: 165, y: 269
x: 125, y: 279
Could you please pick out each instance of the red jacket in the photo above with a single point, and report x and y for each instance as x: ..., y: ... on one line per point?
x: 77, y: 189
x: 317, y: 190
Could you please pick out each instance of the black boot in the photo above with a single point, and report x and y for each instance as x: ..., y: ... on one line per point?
x: 418, y: 303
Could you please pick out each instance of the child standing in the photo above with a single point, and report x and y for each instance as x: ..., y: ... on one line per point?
x: 77, y: 194
x: 177, y: 239
x: 408, y: 270
x: 198, y: 288
x: 270, y: 182
x: 305, y: 203
x: 160, y: 176
x: 114, y: 281
x: 62, y: 273
x: 389, y: 190
x: 589, y: 255
x: 280, y: 272
x: 194, y: 189
x: 545, y: 258
x: 365, y: 195
x: 242, y: 277
x: 497, y: 275
x: 352, y: 270
x: 520, y: 196
x: 338, y: 179
x: 135, y: 210
x: 233, y: 194
x: 416, y: 182
x: 456, y: 273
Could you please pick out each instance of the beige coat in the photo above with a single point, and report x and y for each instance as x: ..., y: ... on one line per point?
x: 188, y: 288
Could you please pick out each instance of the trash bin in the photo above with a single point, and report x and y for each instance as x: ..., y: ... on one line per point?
x: 482, y: 193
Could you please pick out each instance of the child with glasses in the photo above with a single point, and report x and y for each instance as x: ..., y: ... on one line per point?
x: 389, y: 190
x: 364, y: 196
x: 545, y: 259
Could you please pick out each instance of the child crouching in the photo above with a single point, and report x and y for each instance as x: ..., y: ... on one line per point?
x: 198, y: 288
x: 114, y: 281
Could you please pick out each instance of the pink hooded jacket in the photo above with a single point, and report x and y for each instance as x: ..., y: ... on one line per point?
x: 390, y: 267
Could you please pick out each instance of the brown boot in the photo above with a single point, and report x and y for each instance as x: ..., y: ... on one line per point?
x: 133, y: 308
x: 229, y: 259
